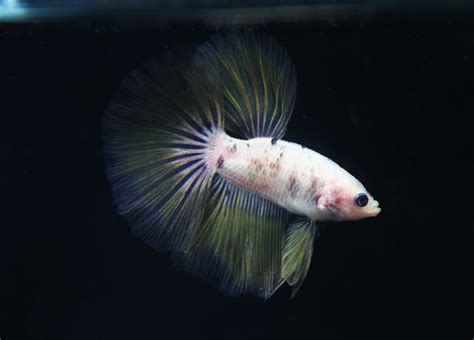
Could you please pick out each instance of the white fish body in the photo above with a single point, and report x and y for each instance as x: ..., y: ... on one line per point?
x: 290, y: 175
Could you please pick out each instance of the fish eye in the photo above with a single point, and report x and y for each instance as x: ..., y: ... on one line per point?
x: 361, y: 200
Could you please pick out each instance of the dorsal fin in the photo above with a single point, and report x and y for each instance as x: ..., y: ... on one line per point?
x: 257, y: 80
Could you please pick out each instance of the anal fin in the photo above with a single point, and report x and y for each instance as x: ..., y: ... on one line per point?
x: 238, y: 247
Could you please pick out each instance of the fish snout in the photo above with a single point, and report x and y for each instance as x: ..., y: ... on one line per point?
x: 375, y: 209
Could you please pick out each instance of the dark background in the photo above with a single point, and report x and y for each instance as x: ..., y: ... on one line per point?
x: 389, y: 98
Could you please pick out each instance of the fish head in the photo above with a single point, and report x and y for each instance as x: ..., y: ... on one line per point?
x: 346, y: 201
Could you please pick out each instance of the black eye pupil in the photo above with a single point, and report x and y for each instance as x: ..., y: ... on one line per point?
x: 362, y: 200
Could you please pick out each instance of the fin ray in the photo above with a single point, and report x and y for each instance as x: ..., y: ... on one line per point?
x: 239, y: 245
x: 298, y: 252
x: 257, y: 80
x: 156, y: 134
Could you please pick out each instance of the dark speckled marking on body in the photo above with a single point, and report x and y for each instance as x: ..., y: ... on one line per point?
x: 234, y: 148
x: 292, y: 186
x: 274, y: 140
x: 257, y: 164
x: 274, y: 167
x: 248, y: 145
x: 314, y: 187
x: 220, y: 162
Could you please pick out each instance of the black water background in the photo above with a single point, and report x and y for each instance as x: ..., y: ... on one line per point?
x: 390, y: 100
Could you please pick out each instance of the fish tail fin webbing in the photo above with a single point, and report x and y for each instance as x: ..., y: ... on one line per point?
x: 156, y: 135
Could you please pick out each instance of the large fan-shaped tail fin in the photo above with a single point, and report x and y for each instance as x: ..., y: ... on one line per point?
x: 156, y: 135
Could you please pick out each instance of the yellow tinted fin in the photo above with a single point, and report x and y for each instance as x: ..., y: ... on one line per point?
x: 297, y: 253
x: 156, y: 134
x: 239, y: 246
x: 257, y: 80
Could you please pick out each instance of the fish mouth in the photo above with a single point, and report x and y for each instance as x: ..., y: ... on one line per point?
x: 375, y: 209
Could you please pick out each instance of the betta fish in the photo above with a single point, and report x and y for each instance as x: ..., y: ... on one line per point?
x: 194, y: 153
